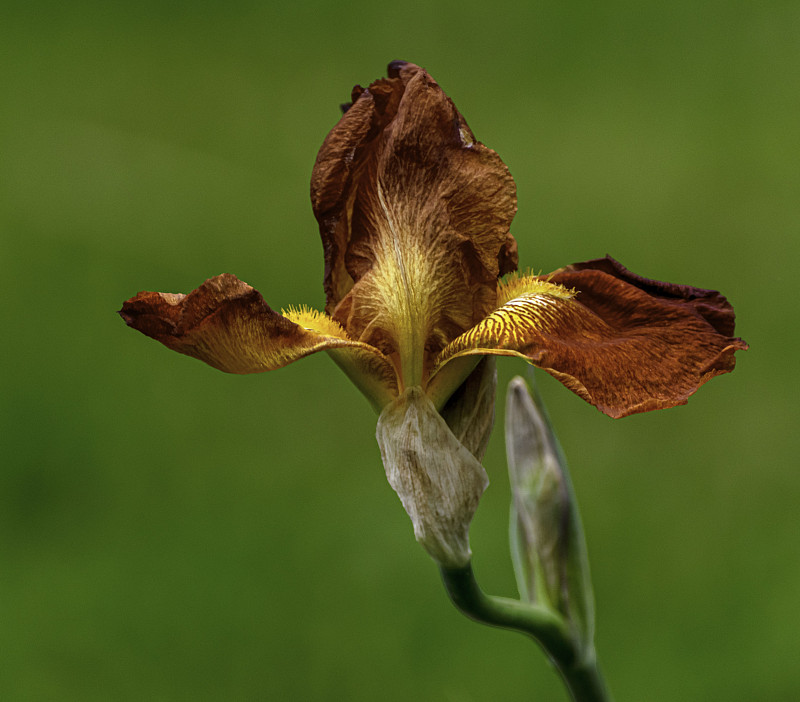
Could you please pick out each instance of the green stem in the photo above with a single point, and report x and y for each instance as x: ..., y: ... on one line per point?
x: 579, y: 671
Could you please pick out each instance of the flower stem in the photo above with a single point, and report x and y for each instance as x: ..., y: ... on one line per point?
x: 578, y: 670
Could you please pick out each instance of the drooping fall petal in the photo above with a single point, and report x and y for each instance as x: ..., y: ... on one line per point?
x: 623, y: 343
x: 227, y: 324
x: 414, y: 215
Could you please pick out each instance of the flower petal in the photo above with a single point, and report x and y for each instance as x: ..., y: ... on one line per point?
x: 624, y: 343
x: 414, y: 215
x: 227, y: 324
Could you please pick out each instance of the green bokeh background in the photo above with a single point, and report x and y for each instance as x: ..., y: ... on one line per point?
x: 169, y: 532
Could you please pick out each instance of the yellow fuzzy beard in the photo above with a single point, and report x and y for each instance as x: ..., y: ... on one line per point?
x: 313, y: 320
x: 518, y: 285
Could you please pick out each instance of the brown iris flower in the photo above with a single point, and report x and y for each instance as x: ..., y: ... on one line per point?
x: 414, y: 214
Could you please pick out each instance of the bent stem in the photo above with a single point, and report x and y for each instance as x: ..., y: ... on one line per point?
x: 578, y: 668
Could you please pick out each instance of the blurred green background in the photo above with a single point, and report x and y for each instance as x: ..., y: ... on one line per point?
x: 169, y: 532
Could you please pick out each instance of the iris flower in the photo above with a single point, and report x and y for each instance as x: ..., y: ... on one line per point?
x: 414, y: 215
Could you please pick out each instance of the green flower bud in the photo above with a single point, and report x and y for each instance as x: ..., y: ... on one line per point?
x: 548, y: 545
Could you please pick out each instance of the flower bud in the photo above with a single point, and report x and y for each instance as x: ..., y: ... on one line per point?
x: 548, y: 545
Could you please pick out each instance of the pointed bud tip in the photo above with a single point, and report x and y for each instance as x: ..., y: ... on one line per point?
x: 518, y: 388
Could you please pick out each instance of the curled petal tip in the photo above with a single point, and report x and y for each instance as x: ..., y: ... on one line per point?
x: 394, y: 68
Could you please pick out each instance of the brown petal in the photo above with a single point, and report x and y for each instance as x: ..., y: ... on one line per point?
x: 623, y: 343
x: 227, y: 324
x: 401, y: 177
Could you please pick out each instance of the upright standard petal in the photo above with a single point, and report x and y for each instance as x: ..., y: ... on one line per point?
x: 625, y: 344
x: 227, y: 324
x: 414, y: 215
